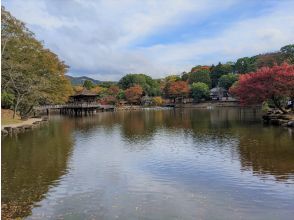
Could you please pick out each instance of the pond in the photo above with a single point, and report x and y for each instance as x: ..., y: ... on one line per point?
x: 220, y: 163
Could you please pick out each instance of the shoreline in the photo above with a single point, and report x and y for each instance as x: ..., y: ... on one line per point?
x: 29, y: 124
x: 277, y: 119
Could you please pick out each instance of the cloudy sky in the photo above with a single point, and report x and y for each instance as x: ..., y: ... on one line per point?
x: 107, y: 39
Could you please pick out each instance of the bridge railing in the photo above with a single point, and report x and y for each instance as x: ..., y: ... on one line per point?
x: 74, y: 105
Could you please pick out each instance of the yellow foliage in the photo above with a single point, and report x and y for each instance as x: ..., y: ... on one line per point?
x: 98, y: 89
x: 157, y: 100
x: 78, y: 88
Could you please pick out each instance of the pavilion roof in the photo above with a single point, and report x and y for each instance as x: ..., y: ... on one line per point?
x: 85, y: 92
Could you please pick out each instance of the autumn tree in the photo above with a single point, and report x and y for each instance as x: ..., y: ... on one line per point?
x: 157, y: 101
x: 178, y: 89
x: 133, y: 94
x: 113, y: 90
x: 199, y: 67
x: 166, y: 82
x: 31, y: 74
x: 269, y: 59
x: 98, y: 90
x: 78, y: 88
x: 266, y: 84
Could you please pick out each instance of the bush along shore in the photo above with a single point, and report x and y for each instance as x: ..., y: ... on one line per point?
x: 23, y: 126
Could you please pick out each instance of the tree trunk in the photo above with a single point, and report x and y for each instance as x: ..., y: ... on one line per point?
x: 14, y: 113
x: 15, y: 109
x: 16, y: 106
x: 278, y: 105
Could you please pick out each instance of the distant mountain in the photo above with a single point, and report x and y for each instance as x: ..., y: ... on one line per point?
x: 80, y: 80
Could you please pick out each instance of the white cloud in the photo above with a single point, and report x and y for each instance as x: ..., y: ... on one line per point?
x: 97, y: 38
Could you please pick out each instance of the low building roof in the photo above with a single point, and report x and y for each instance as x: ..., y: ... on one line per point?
x: 217, y: 89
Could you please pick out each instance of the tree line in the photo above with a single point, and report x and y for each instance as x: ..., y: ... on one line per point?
x: 195, y: 84
x: 33, y: 75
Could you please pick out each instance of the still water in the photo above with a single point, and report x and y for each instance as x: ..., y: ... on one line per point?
x: 151, y: 164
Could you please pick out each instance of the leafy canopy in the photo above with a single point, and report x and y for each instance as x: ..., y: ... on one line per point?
x: 200, y: 91
x: 133, y: 94
x: 226, y: 81
x: 266, y: 84
x: 201, y: 75
x: 149, y: 86
x: 88, y: 84
x: 31, y: 74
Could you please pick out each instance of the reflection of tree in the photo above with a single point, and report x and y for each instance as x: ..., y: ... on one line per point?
x: 140, y: 124
x: 31, y: 164
x: 265, y: 150
x: 268, y: 152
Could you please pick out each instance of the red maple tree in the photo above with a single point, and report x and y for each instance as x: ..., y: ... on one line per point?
x: 266, y: 83
x: 133, y: 94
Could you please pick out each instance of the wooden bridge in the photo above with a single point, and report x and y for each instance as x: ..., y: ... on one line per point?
x: 77, y: 109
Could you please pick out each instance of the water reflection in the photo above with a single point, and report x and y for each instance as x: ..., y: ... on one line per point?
x: 151, y: 164
x: 31, y: 164
x: 267, y: 152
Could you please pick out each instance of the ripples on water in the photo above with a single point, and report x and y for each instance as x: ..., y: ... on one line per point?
x: 163, y: 164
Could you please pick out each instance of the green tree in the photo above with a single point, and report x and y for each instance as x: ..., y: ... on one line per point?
x: 200, y: 76
x: 219, y: 70
x: 31, y: 73
x: 88, y: 84
x: 184, y: 76
x: 288, y: 53
x: 200, y: 91
x: 245, y: 65
x: 226, y: 81
x: 150, y: 86
x: 7, y: 100
x: 121, y: 95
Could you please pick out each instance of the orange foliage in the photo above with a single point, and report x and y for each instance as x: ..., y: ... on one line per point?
x: 113, y: 90
x: 196, y: 68
x: 178, y: 88
x: 133, y: 94
x: 108, y: 100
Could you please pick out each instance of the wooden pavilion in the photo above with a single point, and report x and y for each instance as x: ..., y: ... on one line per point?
x: 84, y: 97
